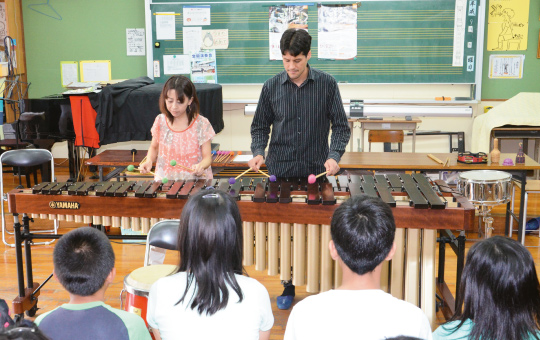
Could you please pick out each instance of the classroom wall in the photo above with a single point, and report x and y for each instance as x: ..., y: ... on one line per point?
x: 96, y: 30
x: 507, y: 88
x: 89, y: 30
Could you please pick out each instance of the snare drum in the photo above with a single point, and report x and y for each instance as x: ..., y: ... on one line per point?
x: 137, y: 287
x: 486, y: 187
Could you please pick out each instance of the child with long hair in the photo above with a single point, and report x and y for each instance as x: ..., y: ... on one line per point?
x: 499, y: 294
x: 209, y: 297
x: 180, y: 134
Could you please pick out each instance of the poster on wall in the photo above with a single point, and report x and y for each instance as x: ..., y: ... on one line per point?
x: 203, y: 67
x: 282, y: 18
x: 506, y: 66
x: 165, y: 26
x: 197, y: 15
x: 135, y: 41
x: 337, y: 32
x: 508, y: 24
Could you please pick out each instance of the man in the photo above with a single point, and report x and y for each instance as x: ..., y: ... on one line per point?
x: 362, y: 231
x: 300, y: 105
x: 84, y: 265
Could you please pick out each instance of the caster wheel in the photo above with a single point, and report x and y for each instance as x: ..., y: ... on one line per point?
x: 32, y: 311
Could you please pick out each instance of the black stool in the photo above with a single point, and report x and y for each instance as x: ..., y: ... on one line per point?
x: 24, y: 158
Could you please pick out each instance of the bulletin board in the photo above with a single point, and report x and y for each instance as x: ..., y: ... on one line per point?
x: 398, y: 42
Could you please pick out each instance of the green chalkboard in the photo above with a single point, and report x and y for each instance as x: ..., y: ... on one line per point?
x: 398, y: 42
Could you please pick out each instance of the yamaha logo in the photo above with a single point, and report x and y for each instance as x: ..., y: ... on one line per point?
x: 64, y: 205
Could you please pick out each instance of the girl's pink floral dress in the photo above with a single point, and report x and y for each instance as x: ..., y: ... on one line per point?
x: 182, y: 146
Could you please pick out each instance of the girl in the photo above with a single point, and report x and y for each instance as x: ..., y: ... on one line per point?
x: 180, y: 134
x: 209, y: 298
x: 499, y: 294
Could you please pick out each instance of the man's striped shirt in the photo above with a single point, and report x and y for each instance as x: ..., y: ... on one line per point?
x: 300, y: 118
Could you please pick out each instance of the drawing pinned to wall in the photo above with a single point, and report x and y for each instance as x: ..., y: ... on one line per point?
x: 282, y: 18
x: 46, y: 9
x: 337, y: 31
x: 508, y: 23
x: 215, y: 39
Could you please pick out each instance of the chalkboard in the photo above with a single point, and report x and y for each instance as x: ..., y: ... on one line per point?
x: 398, y: 42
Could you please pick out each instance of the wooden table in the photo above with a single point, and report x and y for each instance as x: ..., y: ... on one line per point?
x: 120, y: 159
x: 383, y: 124
x: 421, y: 162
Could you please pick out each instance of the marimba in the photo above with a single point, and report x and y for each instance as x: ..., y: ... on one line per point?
x: 286, y: 223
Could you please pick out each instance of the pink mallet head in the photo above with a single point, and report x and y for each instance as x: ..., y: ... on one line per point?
x: 311, y: 179
x: 232, y: 180
x: 272, y: 178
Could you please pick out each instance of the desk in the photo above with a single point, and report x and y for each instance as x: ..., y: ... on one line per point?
x: 384, y: 124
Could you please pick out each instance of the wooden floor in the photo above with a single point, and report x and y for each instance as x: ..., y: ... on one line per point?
x: 130, y: 256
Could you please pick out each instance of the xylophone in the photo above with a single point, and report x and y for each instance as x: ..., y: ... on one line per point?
x: 286, y: 222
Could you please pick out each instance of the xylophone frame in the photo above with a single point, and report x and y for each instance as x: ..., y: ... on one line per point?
x: 293, y: 213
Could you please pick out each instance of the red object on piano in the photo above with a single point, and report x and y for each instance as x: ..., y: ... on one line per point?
x: 84, y: 122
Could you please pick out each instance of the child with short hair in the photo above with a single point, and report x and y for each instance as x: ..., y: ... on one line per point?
x: 180, y: 134
x: 363, y: 230
x: 84, y: 265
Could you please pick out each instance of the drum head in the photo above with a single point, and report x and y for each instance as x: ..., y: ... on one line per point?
x: 143, y: 278
x: 485, y: 176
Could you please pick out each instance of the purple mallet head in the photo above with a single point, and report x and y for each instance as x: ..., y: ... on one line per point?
x: 232, y: 180
x: 272, y: 178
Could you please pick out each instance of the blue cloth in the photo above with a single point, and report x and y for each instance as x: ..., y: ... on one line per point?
x: 446, y: 331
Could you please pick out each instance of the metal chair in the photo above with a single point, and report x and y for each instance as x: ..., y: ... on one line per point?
x: 137, y: 283
x: 386, y: 136
x: 532, y: 187
x: 24, y: 158
x: 164, y: 235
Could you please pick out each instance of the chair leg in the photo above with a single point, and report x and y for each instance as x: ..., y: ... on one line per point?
x: 27, y: 172
x: 512, y: 204
x: 524, y: 217
x: 35, y: 170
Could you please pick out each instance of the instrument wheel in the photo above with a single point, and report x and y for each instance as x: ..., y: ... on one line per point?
x: 32, y: 311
